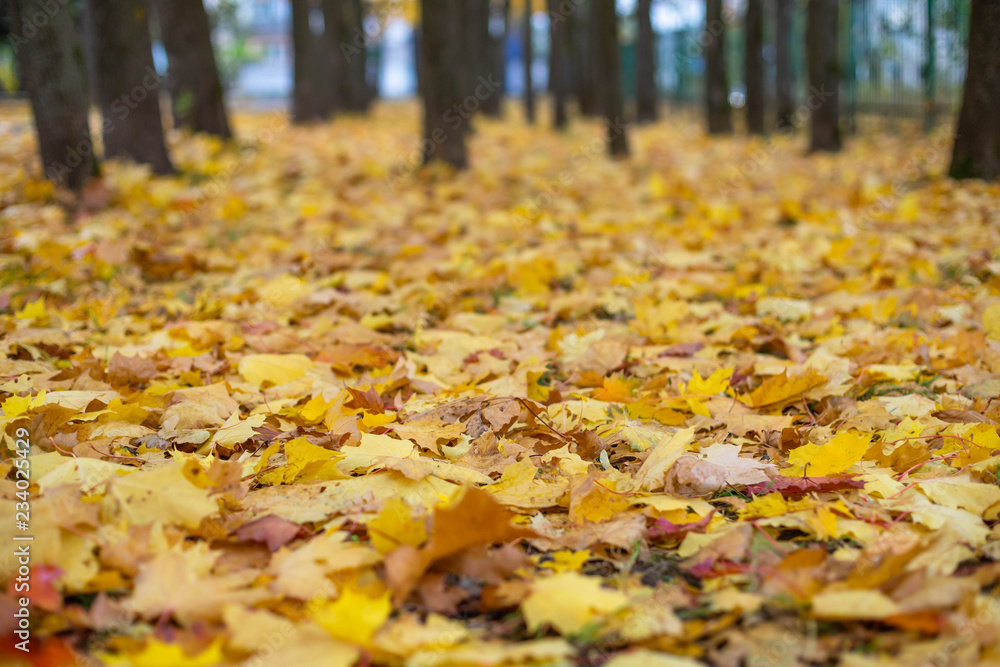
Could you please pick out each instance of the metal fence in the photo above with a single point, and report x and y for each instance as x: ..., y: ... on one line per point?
x: 901, y: 59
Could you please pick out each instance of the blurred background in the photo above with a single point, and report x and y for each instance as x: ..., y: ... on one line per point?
x: 900, y: 59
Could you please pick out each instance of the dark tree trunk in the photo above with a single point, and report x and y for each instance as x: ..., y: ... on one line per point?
x: 528, y: 56
x: 557, y: 65
x: 783, y: 96
x: 306, y: 101
x: 824, y: 75
x: 609, y: 57
x: 474, y: 62
x: 192, y: 75
x: 584, y: 79
x: 329, y: 95
x: 499, y: 19
x: 52, y: 71
x: 645, y: 65
x: 720, y: 117
x: 444, y: 127
x: 755, y: 66
x: 127, y: 85
x: 977, y: 139
x: 355, y: 55
x: 597, y: 68
x: 344, y: 50
x: 418, y: 59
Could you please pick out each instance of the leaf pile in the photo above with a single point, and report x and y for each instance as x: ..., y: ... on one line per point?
x: 306, y: 404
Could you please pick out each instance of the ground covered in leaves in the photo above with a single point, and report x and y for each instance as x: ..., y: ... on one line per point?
x: 308, y: 405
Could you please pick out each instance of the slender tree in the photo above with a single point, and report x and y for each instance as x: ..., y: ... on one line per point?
x: 645, y: 64
x: 305, y: 90
x: 444, y: 128
x: 474, y: 34
x: 720, y: 117
x: 499, y: 21
x: 824, y: 75
x: 558, y: 65
x: 784, y: 100
x: 754, y: 60
x: 977, y: 140
x: 345, y: 55
x: 596, y: 68
x: 418, y: 58
x: 127, y: 85
x: 52, y: 71
x: 192, y: 74
x: 528, y: 56
x: 582, y: 73
x: 609, y: 56
x: 327, y: 75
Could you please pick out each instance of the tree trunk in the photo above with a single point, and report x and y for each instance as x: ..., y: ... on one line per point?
x: 499, y: 20
x: 784, y: 100
x: 328, y: 97
x: 720, y: 118
x: 192, y: 75
x: 355, y: 54
x: 557, y: 65
x: 528, y: 57
x: 645, y: 65
x: 977, y: 139
x: 474, y: 33
x: 52, y: 71
x: 345, y: 53
x: 597, y: 68
x: 585, y: 67
x: 418, y: 59
x: 305, y: 93
x: 444, y: 126
x: 755, y: 66
x: 609, y: 56
x: 128, y: 87
x: 824, y: 75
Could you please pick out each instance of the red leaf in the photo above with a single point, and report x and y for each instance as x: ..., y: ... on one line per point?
x: 798, y: 486
x: 663, y: 527
x: 271, y: 530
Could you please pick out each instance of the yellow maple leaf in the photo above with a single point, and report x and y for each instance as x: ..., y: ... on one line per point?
x: 158, y: 653
x: 564, y: 561
x: 15, y: 406
x: 354, y: 616
x: 569, y: 602
x: 616, y: 389
x: 396, y: 525
x: 277, y: 369
x: 781, y: 388
x: 716, y: 383
x: 836, y: 456
x: 991, y: 321
x: 33, y: 310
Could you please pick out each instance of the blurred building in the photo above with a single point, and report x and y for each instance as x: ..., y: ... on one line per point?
x: 266, y: 27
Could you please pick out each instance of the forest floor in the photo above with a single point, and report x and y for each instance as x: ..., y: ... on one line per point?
x: 306, y: 404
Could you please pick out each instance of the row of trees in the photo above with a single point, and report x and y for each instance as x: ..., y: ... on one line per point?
x: 460, y: 56
x: 585, y: 65
x: 113, y: 66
